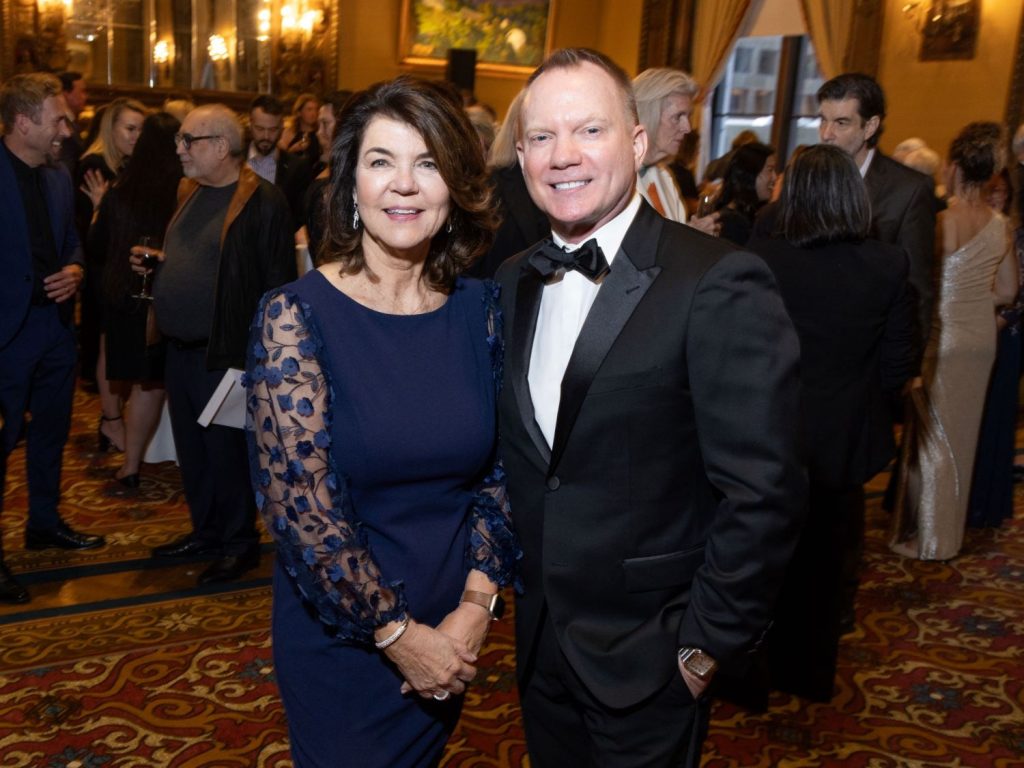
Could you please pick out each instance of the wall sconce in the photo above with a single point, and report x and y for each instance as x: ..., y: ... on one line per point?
x: 263, y: 25
x: 297, y: 19
x: 162, y: 52
x: 217, y: 48
x: 56, y: 6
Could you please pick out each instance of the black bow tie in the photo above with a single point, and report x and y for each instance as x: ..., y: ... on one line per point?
x: 588, y: 259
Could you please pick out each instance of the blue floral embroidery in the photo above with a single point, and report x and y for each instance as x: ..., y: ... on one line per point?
x: 305, y: 501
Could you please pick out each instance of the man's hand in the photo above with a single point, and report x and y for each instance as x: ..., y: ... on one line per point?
x: 61, y: 286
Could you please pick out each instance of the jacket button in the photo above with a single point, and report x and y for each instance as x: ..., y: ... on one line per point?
x: 553, y: 483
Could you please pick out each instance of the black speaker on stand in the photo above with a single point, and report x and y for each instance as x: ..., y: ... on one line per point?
x: 461, y: 69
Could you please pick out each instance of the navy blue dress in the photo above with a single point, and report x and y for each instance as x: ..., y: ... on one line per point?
x: 373, y: 442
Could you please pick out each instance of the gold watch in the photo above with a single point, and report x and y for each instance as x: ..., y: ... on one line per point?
x: 494, y: 604
x: 697, y: 663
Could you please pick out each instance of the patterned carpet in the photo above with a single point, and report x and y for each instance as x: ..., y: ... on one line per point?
x: 120, y: 661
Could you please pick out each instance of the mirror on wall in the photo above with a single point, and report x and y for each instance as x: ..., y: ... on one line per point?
x: 255, y: 46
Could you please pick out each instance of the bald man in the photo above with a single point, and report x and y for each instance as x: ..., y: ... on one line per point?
x: 229, y: 242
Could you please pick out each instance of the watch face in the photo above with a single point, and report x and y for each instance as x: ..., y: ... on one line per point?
x: 699, y: 663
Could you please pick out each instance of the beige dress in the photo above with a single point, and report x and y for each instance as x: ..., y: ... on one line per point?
x: 956, y: 369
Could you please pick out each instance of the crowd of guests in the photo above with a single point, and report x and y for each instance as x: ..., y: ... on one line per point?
x: 692, y: 382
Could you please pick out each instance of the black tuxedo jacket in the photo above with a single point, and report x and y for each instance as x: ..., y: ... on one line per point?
x: 903, y: 213
x: 666, y: 510
x: 855, y: 320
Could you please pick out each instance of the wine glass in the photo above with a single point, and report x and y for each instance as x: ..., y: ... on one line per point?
x: 149, y: 261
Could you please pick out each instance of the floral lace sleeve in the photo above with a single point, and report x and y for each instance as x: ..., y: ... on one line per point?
x: 493, y: 548
x: 299, y: 492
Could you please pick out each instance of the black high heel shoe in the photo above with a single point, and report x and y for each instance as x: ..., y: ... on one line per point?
x: 129, y: 481
x: 103, y: 442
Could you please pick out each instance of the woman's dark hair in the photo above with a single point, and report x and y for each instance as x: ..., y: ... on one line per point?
x: 739, y: 186
x: 975, y: 151
x: 431, y: 109
x: 824, y: 199
x: 141, y: 201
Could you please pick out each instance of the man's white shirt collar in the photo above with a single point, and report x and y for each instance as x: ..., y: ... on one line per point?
x: 610, y: 236
x: 867, y: 163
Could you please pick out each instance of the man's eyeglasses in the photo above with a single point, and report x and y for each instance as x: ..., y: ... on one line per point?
x: 188, y: 139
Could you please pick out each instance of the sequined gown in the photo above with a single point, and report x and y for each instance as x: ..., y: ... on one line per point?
x: 372, y: 443
x: 956, y: 368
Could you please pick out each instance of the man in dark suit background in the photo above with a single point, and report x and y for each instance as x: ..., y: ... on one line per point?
x: 40, y: 270
x: 290, y: 171
x: 76, y: 95
x: 648, y: 429
x: 852, y: 112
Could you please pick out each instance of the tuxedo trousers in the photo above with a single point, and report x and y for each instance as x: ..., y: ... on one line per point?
x: 567, y: 726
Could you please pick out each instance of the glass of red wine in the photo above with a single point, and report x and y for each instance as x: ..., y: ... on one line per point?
x: 149, y: 261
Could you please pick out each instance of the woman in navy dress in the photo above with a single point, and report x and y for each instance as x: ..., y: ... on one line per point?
x: 372, y: 384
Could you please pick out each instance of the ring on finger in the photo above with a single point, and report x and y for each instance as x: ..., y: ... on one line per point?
x: 442, y: 696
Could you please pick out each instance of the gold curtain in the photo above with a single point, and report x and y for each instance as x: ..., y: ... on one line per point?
x: 830, y: 23
x: 716, y: 27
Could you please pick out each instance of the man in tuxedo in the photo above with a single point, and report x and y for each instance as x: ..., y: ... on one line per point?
x: 648, y: 429
x: 40, y: 271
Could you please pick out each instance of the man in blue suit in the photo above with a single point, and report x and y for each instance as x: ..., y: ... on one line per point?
x: 40, y: 271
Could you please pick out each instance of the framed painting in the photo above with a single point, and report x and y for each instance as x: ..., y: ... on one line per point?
x: 507, y: 35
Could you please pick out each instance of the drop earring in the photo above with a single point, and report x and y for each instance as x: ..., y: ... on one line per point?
x: 449, y: 226
x: 355, y: 218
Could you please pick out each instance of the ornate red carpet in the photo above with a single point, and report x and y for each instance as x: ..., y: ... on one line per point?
x: 121, y: 662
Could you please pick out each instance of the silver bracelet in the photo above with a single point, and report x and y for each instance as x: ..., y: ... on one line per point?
x: 391, y: 639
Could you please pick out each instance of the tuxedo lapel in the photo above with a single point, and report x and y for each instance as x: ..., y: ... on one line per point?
x: 528, y: 294
x: 632, y: 273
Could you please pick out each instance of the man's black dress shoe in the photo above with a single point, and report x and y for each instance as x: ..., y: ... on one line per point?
x: 230, y: 567
x: 62, y: 537
x: 186, y: 546
x: 10, y: 590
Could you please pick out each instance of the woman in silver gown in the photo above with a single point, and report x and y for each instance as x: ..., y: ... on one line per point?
x: 977, y: 274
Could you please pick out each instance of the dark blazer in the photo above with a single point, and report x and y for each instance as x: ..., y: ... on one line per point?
x: 903, y: 213
x: 854, y: 316
x: 16, y: 272
x: 666, y: 510
x: 294, y: 175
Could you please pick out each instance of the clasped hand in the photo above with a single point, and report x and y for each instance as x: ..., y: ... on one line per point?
x: 442, y: 659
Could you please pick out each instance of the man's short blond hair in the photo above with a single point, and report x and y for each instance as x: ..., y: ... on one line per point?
x: 24, y: 95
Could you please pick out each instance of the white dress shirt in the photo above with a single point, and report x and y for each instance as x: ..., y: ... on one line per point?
x: 564, y: 304
x: 867, y: 163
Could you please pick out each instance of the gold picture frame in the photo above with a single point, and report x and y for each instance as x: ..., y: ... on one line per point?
x: 513, y: 38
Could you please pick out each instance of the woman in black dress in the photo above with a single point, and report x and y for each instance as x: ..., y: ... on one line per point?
x: 847, y: 297
x: 140, y: 203
x: 102, y: 162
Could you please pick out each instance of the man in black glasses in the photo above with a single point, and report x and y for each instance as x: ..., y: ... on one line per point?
x: 229, y: 242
